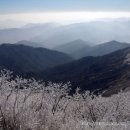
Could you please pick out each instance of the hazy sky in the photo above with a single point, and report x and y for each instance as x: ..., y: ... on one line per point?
x: 62, y: 10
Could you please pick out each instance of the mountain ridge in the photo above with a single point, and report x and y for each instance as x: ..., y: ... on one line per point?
x: 97, y: 50
x: 21, y: 58
x: 72, y: 47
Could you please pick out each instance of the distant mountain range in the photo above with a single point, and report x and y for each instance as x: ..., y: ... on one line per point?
x: 51, y: 35
x: 79, y: 48
x: 13, y: 35
x: 93, y: 32
x: 23, y: 59
x: 29, y: 43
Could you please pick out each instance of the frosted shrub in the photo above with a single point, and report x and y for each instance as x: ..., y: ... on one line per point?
x: 30, y: 105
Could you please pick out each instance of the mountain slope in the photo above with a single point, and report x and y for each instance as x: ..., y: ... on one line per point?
x: 21, y: 58
x: 94, y: 73
x: 101, y: 49
x: 73, y: 47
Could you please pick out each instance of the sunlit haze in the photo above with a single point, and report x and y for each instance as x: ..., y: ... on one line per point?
x: 63, y: 17
x: 16, y: 12
x: 19, y: 19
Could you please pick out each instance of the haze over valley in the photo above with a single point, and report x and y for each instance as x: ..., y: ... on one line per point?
x: 51, y: 35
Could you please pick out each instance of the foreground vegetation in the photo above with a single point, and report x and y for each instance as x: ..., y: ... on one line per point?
x: 30, y: 105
